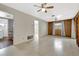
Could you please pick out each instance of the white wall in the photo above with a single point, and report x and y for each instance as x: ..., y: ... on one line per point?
x: 43, y: 28
x: 23, y: 25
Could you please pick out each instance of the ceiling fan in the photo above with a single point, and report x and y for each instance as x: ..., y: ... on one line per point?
x: 44, y: 7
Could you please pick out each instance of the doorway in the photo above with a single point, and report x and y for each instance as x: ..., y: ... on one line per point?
x: 6, y: 32
x: 57, y: 29
x: 36, y: 33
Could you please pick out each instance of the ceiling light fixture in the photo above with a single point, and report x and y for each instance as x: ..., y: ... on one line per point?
x: 43, y: 9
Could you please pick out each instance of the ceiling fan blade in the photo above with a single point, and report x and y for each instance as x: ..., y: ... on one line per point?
x: 50, y: 7
x: 38, y: 10
x: 45, y: 11
x: 37, y: 6
x: 43, y: 5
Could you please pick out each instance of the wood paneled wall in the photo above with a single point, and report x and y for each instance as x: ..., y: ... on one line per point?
x: 50, y: 27
x: 77, y: 28
x: 67, y: 25
x: 75, y: 24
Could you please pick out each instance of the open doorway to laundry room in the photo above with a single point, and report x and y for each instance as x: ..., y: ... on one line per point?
x: 6, y: 30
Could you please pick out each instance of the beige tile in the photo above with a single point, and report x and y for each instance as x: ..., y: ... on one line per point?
x: 45, y: 46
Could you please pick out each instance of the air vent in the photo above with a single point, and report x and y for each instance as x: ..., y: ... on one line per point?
x: 30, y: 37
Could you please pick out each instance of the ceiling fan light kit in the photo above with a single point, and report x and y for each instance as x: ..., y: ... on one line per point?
x: 44, y: 7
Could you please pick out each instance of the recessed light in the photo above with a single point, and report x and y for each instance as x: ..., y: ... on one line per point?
x: 59, y: 16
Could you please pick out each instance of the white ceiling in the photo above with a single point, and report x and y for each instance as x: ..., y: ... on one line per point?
x: 61, y: 10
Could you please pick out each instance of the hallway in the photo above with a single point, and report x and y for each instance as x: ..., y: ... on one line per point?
x: 45, y: 46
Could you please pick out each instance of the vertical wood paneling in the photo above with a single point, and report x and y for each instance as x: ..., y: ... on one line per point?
x: 67, y: 25
x: 75, y: 24
x: 77, y: 29
x: 50, y: 27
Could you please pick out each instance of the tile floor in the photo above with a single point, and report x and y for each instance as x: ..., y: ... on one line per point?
x: 46, y: 46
